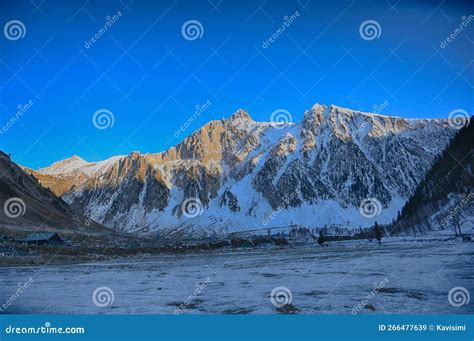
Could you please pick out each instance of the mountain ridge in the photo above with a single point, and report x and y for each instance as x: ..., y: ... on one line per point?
x: 332, y: 159
x: 237, y: 112
x: 29, y: 206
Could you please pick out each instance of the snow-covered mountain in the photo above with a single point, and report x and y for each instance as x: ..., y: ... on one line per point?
x: 444, y: 200
x: 27, y: 206
x: 335, y: 166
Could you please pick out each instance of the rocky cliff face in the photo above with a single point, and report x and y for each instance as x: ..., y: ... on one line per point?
x: 237, y: 174
x: 28, y: 206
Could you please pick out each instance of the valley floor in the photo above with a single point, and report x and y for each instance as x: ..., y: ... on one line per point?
x: 402, y: 275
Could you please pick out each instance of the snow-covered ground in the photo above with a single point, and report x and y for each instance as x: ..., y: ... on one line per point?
x: 411, y: 276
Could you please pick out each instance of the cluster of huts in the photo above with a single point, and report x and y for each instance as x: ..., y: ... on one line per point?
x: 40, y: 238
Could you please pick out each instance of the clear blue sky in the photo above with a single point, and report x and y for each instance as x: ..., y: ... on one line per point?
x: 151, y: 78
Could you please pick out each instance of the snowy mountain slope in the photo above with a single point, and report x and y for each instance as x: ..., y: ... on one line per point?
x: 240, y: 174
x: 444, y: 199
x: 64, y: 166
x: 64, y: 176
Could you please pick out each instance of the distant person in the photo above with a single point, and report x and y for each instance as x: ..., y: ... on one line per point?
x: 378, y: 233
x: 321, y: 239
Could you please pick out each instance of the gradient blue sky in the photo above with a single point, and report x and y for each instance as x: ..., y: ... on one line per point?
x: 151, y: 78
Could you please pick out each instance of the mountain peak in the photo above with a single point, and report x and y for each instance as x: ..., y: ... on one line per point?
x: 240, y: 115
x: 70, y: 164
x: 38, y: 206
x: 315, y: 115
x: 318, y: 106
x: 75, y: 158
